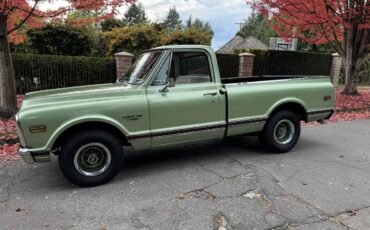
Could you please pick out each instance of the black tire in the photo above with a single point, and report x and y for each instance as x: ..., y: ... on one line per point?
x: 272, y: 136
x: 83, y: 149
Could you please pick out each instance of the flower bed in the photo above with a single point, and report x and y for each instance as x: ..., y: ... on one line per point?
x: 347, y: 108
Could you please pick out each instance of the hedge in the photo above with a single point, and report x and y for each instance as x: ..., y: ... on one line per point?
x: 39, y: 72
x: 277, y: 62
x: 228, y: 65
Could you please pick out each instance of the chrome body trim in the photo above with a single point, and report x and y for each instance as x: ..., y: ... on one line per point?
x: 206, y: 128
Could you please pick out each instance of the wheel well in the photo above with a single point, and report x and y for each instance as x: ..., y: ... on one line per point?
x: 294, y: 107
x: 88, y: 125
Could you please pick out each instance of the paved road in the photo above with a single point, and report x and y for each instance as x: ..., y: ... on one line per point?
x: 324, y: 183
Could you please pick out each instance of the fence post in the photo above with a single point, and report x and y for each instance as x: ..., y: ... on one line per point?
x: 246, y: 64
x: 123, y: 62
x: 336, y: 65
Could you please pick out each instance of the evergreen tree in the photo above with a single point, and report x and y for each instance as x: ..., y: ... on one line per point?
x: 172, y: 21
x: 135, y: 14
x: 198, y: 24
x: 256, y: 26
x: 189, y: 22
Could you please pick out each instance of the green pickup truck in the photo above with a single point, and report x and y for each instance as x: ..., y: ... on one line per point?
x: 172, y: 95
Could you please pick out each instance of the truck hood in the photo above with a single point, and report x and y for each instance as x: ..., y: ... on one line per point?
x: 75, y: 94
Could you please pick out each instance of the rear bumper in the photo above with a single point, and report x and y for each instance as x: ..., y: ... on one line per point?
x: 31, y: 157
x: 316, y: 115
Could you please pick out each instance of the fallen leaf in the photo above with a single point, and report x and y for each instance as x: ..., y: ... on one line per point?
x: 253, y: 194
x: 181, y: 196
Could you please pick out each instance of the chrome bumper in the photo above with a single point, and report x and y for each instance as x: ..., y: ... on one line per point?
x: 34, y: 157
x: 26, y: 155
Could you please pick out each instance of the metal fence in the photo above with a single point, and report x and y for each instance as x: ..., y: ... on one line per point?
x: 41, y: 72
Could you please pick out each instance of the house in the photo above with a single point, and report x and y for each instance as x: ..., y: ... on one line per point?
x: 238, y: 42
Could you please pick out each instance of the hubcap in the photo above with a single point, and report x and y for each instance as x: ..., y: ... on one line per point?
x: 92, y: 159
x: 284, y: 132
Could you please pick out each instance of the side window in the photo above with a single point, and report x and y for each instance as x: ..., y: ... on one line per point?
x: 190, y: 68
x: 161, y: 79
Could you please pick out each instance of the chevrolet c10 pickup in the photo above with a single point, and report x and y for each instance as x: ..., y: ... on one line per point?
x: 172, y: 95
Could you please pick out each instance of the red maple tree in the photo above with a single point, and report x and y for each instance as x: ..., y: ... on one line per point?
x: 16, y: 13
x: 343, y: 24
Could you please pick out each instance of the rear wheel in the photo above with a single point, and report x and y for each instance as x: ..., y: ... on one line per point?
x: 281, y: 132
x: 91, y: 158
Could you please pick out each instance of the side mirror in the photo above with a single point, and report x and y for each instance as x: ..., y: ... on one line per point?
x: 170, y: 83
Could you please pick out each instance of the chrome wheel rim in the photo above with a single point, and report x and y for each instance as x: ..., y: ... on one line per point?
x: 284, y: 132
x: 92, y: 159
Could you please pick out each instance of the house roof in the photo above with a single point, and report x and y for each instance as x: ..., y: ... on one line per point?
x: 238, y: 42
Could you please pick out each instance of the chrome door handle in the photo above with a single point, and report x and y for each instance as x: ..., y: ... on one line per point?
x: 210, y: 94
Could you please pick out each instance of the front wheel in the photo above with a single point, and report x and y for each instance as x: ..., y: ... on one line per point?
x: 281, y: 132
x: 91, y: 158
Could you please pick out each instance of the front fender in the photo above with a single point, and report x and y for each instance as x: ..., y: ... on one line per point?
x: 91, y: 118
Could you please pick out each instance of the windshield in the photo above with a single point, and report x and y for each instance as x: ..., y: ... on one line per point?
x: 141, y: 68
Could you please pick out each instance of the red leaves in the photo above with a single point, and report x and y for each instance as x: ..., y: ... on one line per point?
x: 344, y: 102
x: 351, y: 107
x: 9, y: 152
x: 8, y: 135
x: 323, y: 20
x: 33, y: 12
x: 8, y: 138
x: 348, y: 116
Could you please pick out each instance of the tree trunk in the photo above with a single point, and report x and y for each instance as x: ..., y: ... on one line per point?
x: 8, y: 101
x: 350, y: 66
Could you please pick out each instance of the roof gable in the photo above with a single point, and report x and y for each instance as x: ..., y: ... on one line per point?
x: 238, y: 42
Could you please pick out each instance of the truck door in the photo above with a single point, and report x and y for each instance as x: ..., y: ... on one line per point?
x: 189, y: 109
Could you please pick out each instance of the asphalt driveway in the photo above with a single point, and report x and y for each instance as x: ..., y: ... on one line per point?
x: 324, y: 183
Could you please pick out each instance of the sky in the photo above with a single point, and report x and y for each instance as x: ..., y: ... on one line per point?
x: 223, y: 15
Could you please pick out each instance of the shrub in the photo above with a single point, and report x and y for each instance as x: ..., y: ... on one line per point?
x: 228, y: 65
x: 277, y: 62
x: 61, y: 39
x: 133, y: 39
x: 39, y: 72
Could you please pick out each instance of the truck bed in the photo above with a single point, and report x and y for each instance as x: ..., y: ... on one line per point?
x: 234, y: 80
x: 254, y: 98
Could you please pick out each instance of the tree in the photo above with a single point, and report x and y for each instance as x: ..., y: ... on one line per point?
x: 189, y: 22
x: 135, y: 14
x: 172, y: 20
x: 256, y: 26
x: 110, y: 24
x: 133, y: 39
x: 343, y: 24
x: 199, y: 25
x: 191, y: 35
x: 61, y: 39
x: 16, y: 13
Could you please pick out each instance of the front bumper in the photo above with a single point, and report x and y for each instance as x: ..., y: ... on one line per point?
x: 26, y: 155
x: 34, y: 157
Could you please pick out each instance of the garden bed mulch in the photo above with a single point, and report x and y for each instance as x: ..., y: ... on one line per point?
x: 347, y: 108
